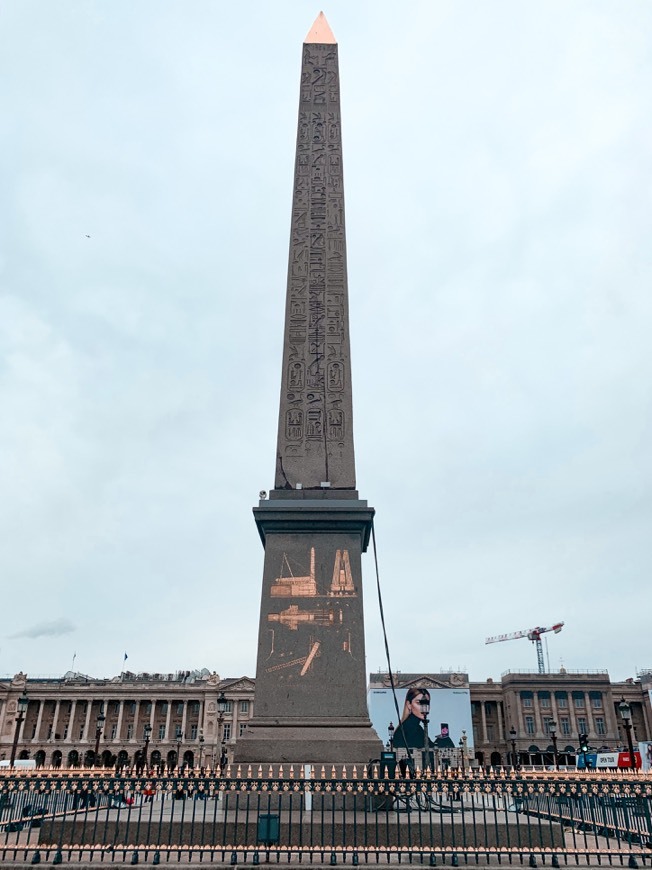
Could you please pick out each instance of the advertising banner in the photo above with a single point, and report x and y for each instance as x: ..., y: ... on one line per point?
x: 645, y: 748
x: 449, y: 717
x: 604, y: 760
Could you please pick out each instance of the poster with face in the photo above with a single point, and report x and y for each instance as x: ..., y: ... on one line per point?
x: 449, y: 716
x: 645, y: 749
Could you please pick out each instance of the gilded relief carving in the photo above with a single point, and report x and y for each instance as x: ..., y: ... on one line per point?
x: 293, y: 616
x: 287, y: 585
x: 291, y: 585
x: 304, y: 661
x: 342, y: 583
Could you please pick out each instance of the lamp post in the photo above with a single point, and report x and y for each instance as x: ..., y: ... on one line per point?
x: 424, y: 703
x: 148, y: 735
x: 23, y: 703
x: 552, y: 730
x: 201, y: 747
x: 462, y: 747
x: 390, y: 731
x: 98, y: 733
x: 512, y: 737
x: 626, y: 714
x: 222, y: 707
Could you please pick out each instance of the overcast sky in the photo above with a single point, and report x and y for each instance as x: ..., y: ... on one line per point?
x: 498, y: 179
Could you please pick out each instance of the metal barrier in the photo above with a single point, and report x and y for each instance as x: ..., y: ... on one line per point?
x: 345, y: 818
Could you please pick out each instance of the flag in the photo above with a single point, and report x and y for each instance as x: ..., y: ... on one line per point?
x: 126, y: 657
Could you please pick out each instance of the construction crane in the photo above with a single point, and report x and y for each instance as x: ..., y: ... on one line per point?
x: 533, y: 634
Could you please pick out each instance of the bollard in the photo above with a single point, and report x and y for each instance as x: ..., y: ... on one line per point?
x: 134, y: 857
x: 454, y: 860
x: 433, y: 859
x: 354, y: 859
x: 555, y: 861
x: 256, y: 858
x: 234, y: 857
x: 157, y: 858
x: 632, y: 861
x: 333, y: 858
x: 36, y: 858
x: 58, y: 857
x: 533, y: 861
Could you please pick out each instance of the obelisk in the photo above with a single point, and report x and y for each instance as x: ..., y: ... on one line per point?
x: 310, y: 702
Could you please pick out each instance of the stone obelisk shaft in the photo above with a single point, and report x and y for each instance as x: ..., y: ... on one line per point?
x: 310, y: 703
x: 315, y: 436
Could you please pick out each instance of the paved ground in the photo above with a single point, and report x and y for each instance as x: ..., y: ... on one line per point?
x: 123, y: 859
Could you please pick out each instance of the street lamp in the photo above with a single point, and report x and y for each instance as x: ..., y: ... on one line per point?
x: 23, y: 703
x: 552, y: 730
x: 462, y: 747
x: 626, y: 714
x: 512, y: 737
x: 98, y: 733
x: 424, y: 703
x: 201, y: 746
x: 390, y: 731
x: 148, y: 735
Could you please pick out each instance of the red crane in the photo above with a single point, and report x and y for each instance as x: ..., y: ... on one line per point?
x: 533, y: 634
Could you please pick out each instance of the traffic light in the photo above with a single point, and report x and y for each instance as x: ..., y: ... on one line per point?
x: 584, y: 742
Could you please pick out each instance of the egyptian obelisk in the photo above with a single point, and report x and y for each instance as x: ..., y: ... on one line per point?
x: 310, y: 703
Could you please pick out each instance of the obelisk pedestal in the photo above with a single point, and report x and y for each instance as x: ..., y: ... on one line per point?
x: 310, y: 702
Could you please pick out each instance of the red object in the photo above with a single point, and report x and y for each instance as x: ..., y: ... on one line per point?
x: 624, y: 760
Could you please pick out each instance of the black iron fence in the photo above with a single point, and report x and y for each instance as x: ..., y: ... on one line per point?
x: 250, y: 818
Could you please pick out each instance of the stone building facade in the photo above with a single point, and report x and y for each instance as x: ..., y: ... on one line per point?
x: 60, y: 728
x: 579, y: 702
x: 61, y: 724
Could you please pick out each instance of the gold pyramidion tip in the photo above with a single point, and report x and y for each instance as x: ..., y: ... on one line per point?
x: 320, y: 32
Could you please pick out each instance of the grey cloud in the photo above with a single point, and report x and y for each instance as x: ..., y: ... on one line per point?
x: 55, y: 628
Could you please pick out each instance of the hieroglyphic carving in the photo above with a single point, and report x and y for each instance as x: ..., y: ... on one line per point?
x: 316, y: 399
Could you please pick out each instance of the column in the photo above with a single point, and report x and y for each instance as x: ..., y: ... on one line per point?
x: 152, y: 715
x: 134, y: 736
x: 87, y: 724
x: 55, y: 720
x: 483, y: 714
x: 521, y: 716
x: 500, y: 712
x: 611, y: 717
x: 71, y: 720
x: 39, y: 719
x: 536, y: 712
x: 234, y: 724
x: 121, y: 710
x: 168, y: 736
x: 571, y: 715
x: 183, y: 720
